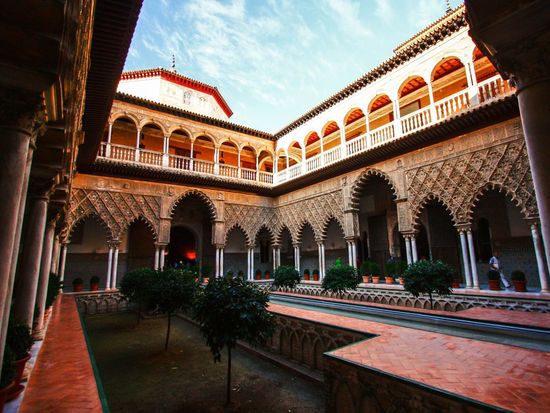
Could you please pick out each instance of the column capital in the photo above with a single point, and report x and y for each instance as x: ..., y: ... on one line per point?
x: 158, y: 244
x: 115, y: 243
x: 465, y: 227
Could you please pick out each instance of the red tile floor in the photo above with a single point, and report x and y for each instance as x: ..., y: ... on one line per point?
x: 508, y: 377
x: 62, y: 380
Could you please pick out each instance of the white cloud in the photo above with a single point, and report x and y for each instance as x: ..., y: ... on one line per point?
x: 425, y: 12
x: 384, y: 10
x: 346, y: 15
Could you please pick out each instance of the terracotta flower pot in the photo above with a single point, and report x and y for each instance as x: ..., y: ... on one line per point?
x: 17, y: 388
x: 267, y: 276
x: 205, y: 280
x: 365, y: 278
x: 519, y: 286
x: 94, y: 287
x: 494, y: 285
x: 78, y: 287
x: 389, y: 280
x: 455, y: 284
x: 306, y: 277
x: 375, y: 279
x: 315, y: 277
x: 257, y: 276
x: 401, y: 281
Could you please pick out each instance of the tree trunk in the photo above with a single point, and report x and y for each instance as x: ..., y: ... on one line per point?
x: 228, y: 401
x: 431, y: 300
x: 168, y: 331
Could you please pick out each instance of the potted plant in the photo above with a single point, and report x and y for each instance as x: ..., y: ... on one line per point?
x: 340, y: 278
x: 286, y: 276
x: 258, y: 274
x: 519, y: 281
x: 6, y: 378
x: 94, y: 283
x: 78, y: 285
x: 428, y: 277
x: 20, y: 341
x: 229, y: 274
x: 315, y: 275
x: 240, y: 274
x: 455, y: 283
x: 396, y: 268
x: 494, y: 280
x: 389, y: 279
x: 306, y: 274
x: 267, y: 274
x: 364, y: 271
x: 373, y: 270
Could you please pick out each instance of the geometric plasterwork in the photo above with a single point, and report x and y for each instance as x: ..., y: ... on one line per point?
x: 459, y: 182
x: 317, y: 212
x: 114, y: 210
x: 363, y: 179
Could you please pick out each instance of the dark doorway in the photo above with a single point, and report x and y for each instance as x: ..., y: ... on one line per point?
x: 183, y: 247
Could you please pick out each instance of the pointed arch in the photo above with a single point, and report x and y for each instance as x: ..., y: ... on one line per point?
x: 431, y: 197
x: 361, y: 181
x: 279, y: 233
x: 495, y: 186
x: 269, y: 231
x: 143, y: 219
x: 197, y: 194
x: 302, y: 228
x: 326, y: 224
x: 237, y: 227
x: 70, y: 227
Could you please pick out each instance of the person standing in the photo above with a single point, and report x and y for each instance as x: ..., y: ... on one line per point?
x: 494, y: 264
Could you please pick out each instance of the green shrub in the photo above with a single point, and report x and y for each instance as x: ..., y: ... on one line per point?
x: 229, y: 274
x: 395, y: 268
x: 19, y: 338
x: 428, y: 277
x: 340, y: 278
x: 286, y: 276
x: 369, y: 268
x: 493, y: 275
x: 8, y: 368
x: 240, y: 274
x: 518, y: 275
x: 54, y: 285
x: 136, y: 287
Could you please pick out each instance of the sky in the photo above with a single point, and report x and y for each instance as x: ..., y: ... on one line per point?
x: 273, y: 60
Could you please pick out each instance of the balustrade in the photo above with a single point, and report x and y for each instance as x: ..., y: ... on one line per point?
x: 488, y: 90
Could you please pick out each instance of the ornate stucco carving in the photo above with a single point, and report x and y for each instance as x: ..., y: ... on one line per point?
x: 459, y: 182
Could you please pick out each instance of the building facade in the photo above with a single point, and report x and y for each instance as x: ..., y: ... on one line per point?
x: 423, y: 157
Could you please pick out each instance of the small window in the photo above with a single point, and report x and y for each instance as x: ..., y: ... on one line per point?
x: 187, y: 98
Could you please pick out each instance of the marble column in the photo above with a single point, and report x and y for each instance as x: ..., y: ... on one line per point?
x: 297, y: 257
x: 248, y: 264
x: 25, y: 294
x: 115, y: 267
x: 62, y: 262
x: 465, y: 260
x: 157, y: 257
x: 109, y: 268
x: 473, y: 263
x: 414, y: 250
x: 321, y: 258
x: 354, y: 251
x: 278, y: 257
x: 350, y: 257
x: 221, y: 261
x: 251, y: 264
x: 162, y: 257
x: 17, y: 128
x: 217, y: 263
x: 408, y: 249
x: 539, y: 254
x: 45, y: 267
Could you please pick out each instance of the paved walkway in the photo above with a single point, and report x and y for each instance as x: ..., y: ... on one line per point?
x: 508, y: 377
x: 62, y: 380
x: 478, y: 313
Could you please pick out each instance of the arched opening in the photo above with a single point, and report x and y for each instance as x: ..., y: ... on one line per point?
x: 442, y: 235
x: 248, y: 162
x: 229, y: 159
x: 499, y: 226
x: 191, y: 235
x: 294, y: 153
x: 203, y: 153
x: 151, y: 144
x: 309, y: 253
x: 313, y: 145
x: 141, y: 246
x: 483, y: 67
x: 335, y: 245
x: 448, y: 81
x: 263, y: 254
x: 124, y: 132
x: 377, y: 217
x: 179, y: 150
x: 287, y: 250
x: 265, y: 165
x: 355, y: 124
x: 235, y: 252
x: 331, y: 135
x: 413, y: 97
x: 281, y: 160
x: 380, y: 112
x: 87, y: 253
x: 183, y: 248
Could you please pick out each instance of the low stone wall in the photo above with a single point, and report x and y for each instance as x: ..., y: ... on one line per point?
x: 351, y: 388
x: 454, y: 302
x: 304, y: 341
x: 101, y: 303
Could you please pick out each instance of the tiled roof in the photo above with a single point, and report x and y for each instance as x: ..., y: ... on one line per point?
x: 180, y: 80
x: 124, y: 97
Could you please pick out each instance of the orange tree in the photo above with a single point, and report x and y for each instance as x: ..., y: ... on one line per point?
x: 230, y: 309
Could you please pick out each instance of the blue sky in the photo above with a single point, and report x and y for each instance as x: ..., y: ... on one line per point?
x: 273, y: 60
